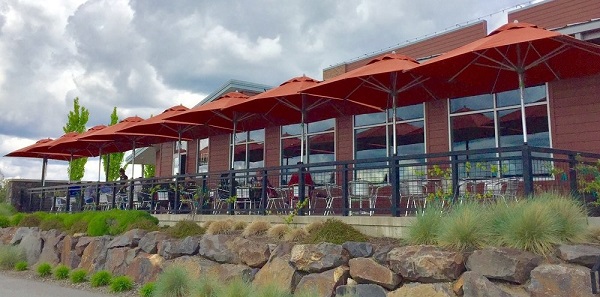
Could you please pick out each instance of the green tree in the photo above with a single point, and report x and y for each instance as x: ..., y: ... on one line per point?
x: 149, y: 171
x: 76, y: 121
x: 2, y: 188
x: 112, y: 162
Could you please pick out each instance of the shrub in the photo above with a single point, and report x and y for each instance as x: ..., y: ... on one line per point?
x: 184, y: 229
x: 121, y: 284
x: 220, y: 227
x: 21, y: 266
x: 52, y: 223
x: 101, y: 278
x: 465, y: 228
x: 16, y: 219
x: 206, y: 224
x: 529, y: 226
x: 593, y: 235
x: 256, y: 228
x: 296, y: 235
x: 4, y: 222
x: 239, y: 225
x: 79, y: 227
x: 30, y: 220
x: 61, y: 272
x: 6, y: 209
x: 278, y: 231
x: 571, y: 215
x: 173, y: 282
x: 44, y: 269
x: 78, y: 276
x: 313, y: 226
x: 147, y: 290
x: 425, y: 228
x: 10, y: 256
x: 337, y: 232
x: 144, y: 224
x: 236, y: 287
x: 115, y: 221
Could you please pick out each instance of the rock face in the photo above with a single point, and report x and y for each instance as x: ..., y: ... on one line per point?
x: 196, y: 266
x: 219, y: 248
x: 128, y: 239
x: 560, y: 281
x: 365, y: 270
x: 426, y: 263
x: 280, y: 273
x: 150, y: 241
x: 252, y: 253
x: 145, y: 268
x: 32, y: 244
x: 68, y: 256
x: 477, y: 285
x: 94, y: 255
x: 584, y: 255
x: 228, y: 272
x: 324, y: 283
x: 503, y: 264
x: 314, y: 258
x: 361, y: 290
x: 51, y: 252
x: 358, y: 249
x: 173, y: 248
x: 424, y: 290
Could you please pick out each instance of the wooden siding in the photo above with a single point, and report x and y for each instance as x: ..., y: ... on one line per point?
x: 574, y: 110
x: 558, y: 13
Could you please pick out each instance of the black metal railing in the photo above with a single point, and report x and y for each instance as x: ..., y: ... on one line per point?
x: 393, y: 186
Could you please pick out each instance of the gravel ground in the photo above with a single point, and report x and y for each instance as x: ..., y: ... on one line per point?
x: 32, y: 276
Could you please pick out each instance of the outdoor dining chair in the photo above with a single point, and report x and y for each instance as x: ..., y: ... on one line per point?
x: 416, y: 193
x: 360, y: 191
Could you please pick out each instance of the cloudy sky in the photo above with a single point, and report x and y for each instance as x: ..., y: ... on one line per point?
x: 144, y: 56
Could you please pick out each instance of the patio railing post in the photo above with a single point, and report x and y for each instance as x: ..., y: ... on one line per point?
x: 263, y: 193
x: 68, y: 200
x: 527, y: 171
x: 301, y: 192
x: 175, y: 208
x: 455, y: 185
x: 232, y: 193
x: 114, y: 196
x: 573, y: 175
x: 345, y: 202
x: 202, y: 198
x: 395, y: 182
x: 130, y: 195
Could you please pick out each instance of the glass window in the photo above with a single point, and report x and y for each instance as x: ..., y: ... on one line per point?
x: 202, y: 155
x: 179, y: 167
x: 369, y: 119
x: 466, y: 104
x: 530, y: 95
x: 249, y: 151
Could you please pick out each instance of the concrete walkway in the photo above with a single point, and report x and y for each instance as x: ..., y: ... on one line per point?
x: 15, y: 287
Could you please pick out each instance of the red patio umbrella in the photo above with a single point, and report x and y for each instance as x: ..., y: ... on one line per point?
x: 32, y: 151
x: 123, y: 141
x: 513, y: 56
x: 379, y: 83
x: 288, y: 103
x: 161, y: 125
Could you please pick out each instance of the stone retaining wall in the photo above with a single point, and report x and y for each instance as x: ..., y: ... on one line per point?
x: 363, y: 269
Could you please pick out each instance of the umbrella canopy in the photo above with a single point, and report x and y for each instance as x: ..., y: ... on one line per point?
x: 380, y: 83
x: 515, y: 55
x: 123, y: 141
x: 289, y: 104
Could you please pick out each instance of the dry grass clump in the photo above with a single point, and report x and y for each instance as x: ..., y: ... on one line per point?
x: 296, y: 235
x: 314, y: 226
x: 593, y: 234
x: 256, y: 228
x: 239, y: 225
x: 206, y: 224
x: 220, y: 227
x: 278, y: 231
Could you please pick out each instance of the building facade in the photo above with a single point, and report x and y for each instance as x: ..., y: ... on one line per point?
x: 560, y: 114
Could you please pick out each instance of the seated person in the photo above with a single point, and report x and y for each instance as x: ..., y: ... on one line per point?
x: 257, y: 181
x: 295, y: 180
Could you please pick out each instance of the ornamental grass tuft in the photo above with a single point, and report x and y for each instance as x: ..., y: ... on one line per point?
x: 121, y: 284
x: 337, y: 232
x: 78, y: 276
x: 184, y: 229
x: 44, y: 269
x: 101, y: 278
x: 570, y: 213
x: 61, y: 272
x: 173, y: 282
x: 221, y: 227
x: 147, y: 290
x: 426, y: 227
x: 278, y: 231
x: 464, y: 228
x: 256, y: 228
x: 21, y: 266
x: 10, y: 255
x: 296, y: 235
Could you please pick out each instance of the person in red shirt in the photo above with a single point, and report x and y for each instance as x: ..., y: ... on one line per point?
x: 294, y: 179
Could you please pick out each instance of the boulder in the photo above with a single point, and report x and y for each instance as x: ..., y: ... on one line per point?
x: 94, y: 255
x: 7, y: 235
x: 219, y: 248
x: 280, y: 250
x: 313, y: 258
x: 145, y: 267
x: 426, y: 264
x: 584, y: 255
x: 251, y: 252
x: 31, y: 243
x: 563, y: 280
x: 196, y: 266
x: 361, y: 290
x: 173, y: 248
x: 51, y: 252
x: 21, y: 232
x: 477, y: 285
x: 366, y: 270
x: 423, y: 290
x: 358, y: 249
x: 278, y: 272
x: 130, y: 239
x: 82, y: 243
x: 229, y: 272
x: 506, y: 264
x: 117, y: 259
x: 68, y: 256
x: 324, y: 283
x: 380, y: 254
x: 150, y: 241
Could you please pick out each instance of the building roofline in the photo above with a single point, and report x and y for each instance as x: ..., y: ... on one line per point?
x: 235, y: 84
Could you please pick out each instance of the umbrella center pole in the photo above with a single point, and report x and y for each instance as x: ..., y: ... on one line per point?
x: 522, y: 95
x: 394, y: 144
x: 303, y: 127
